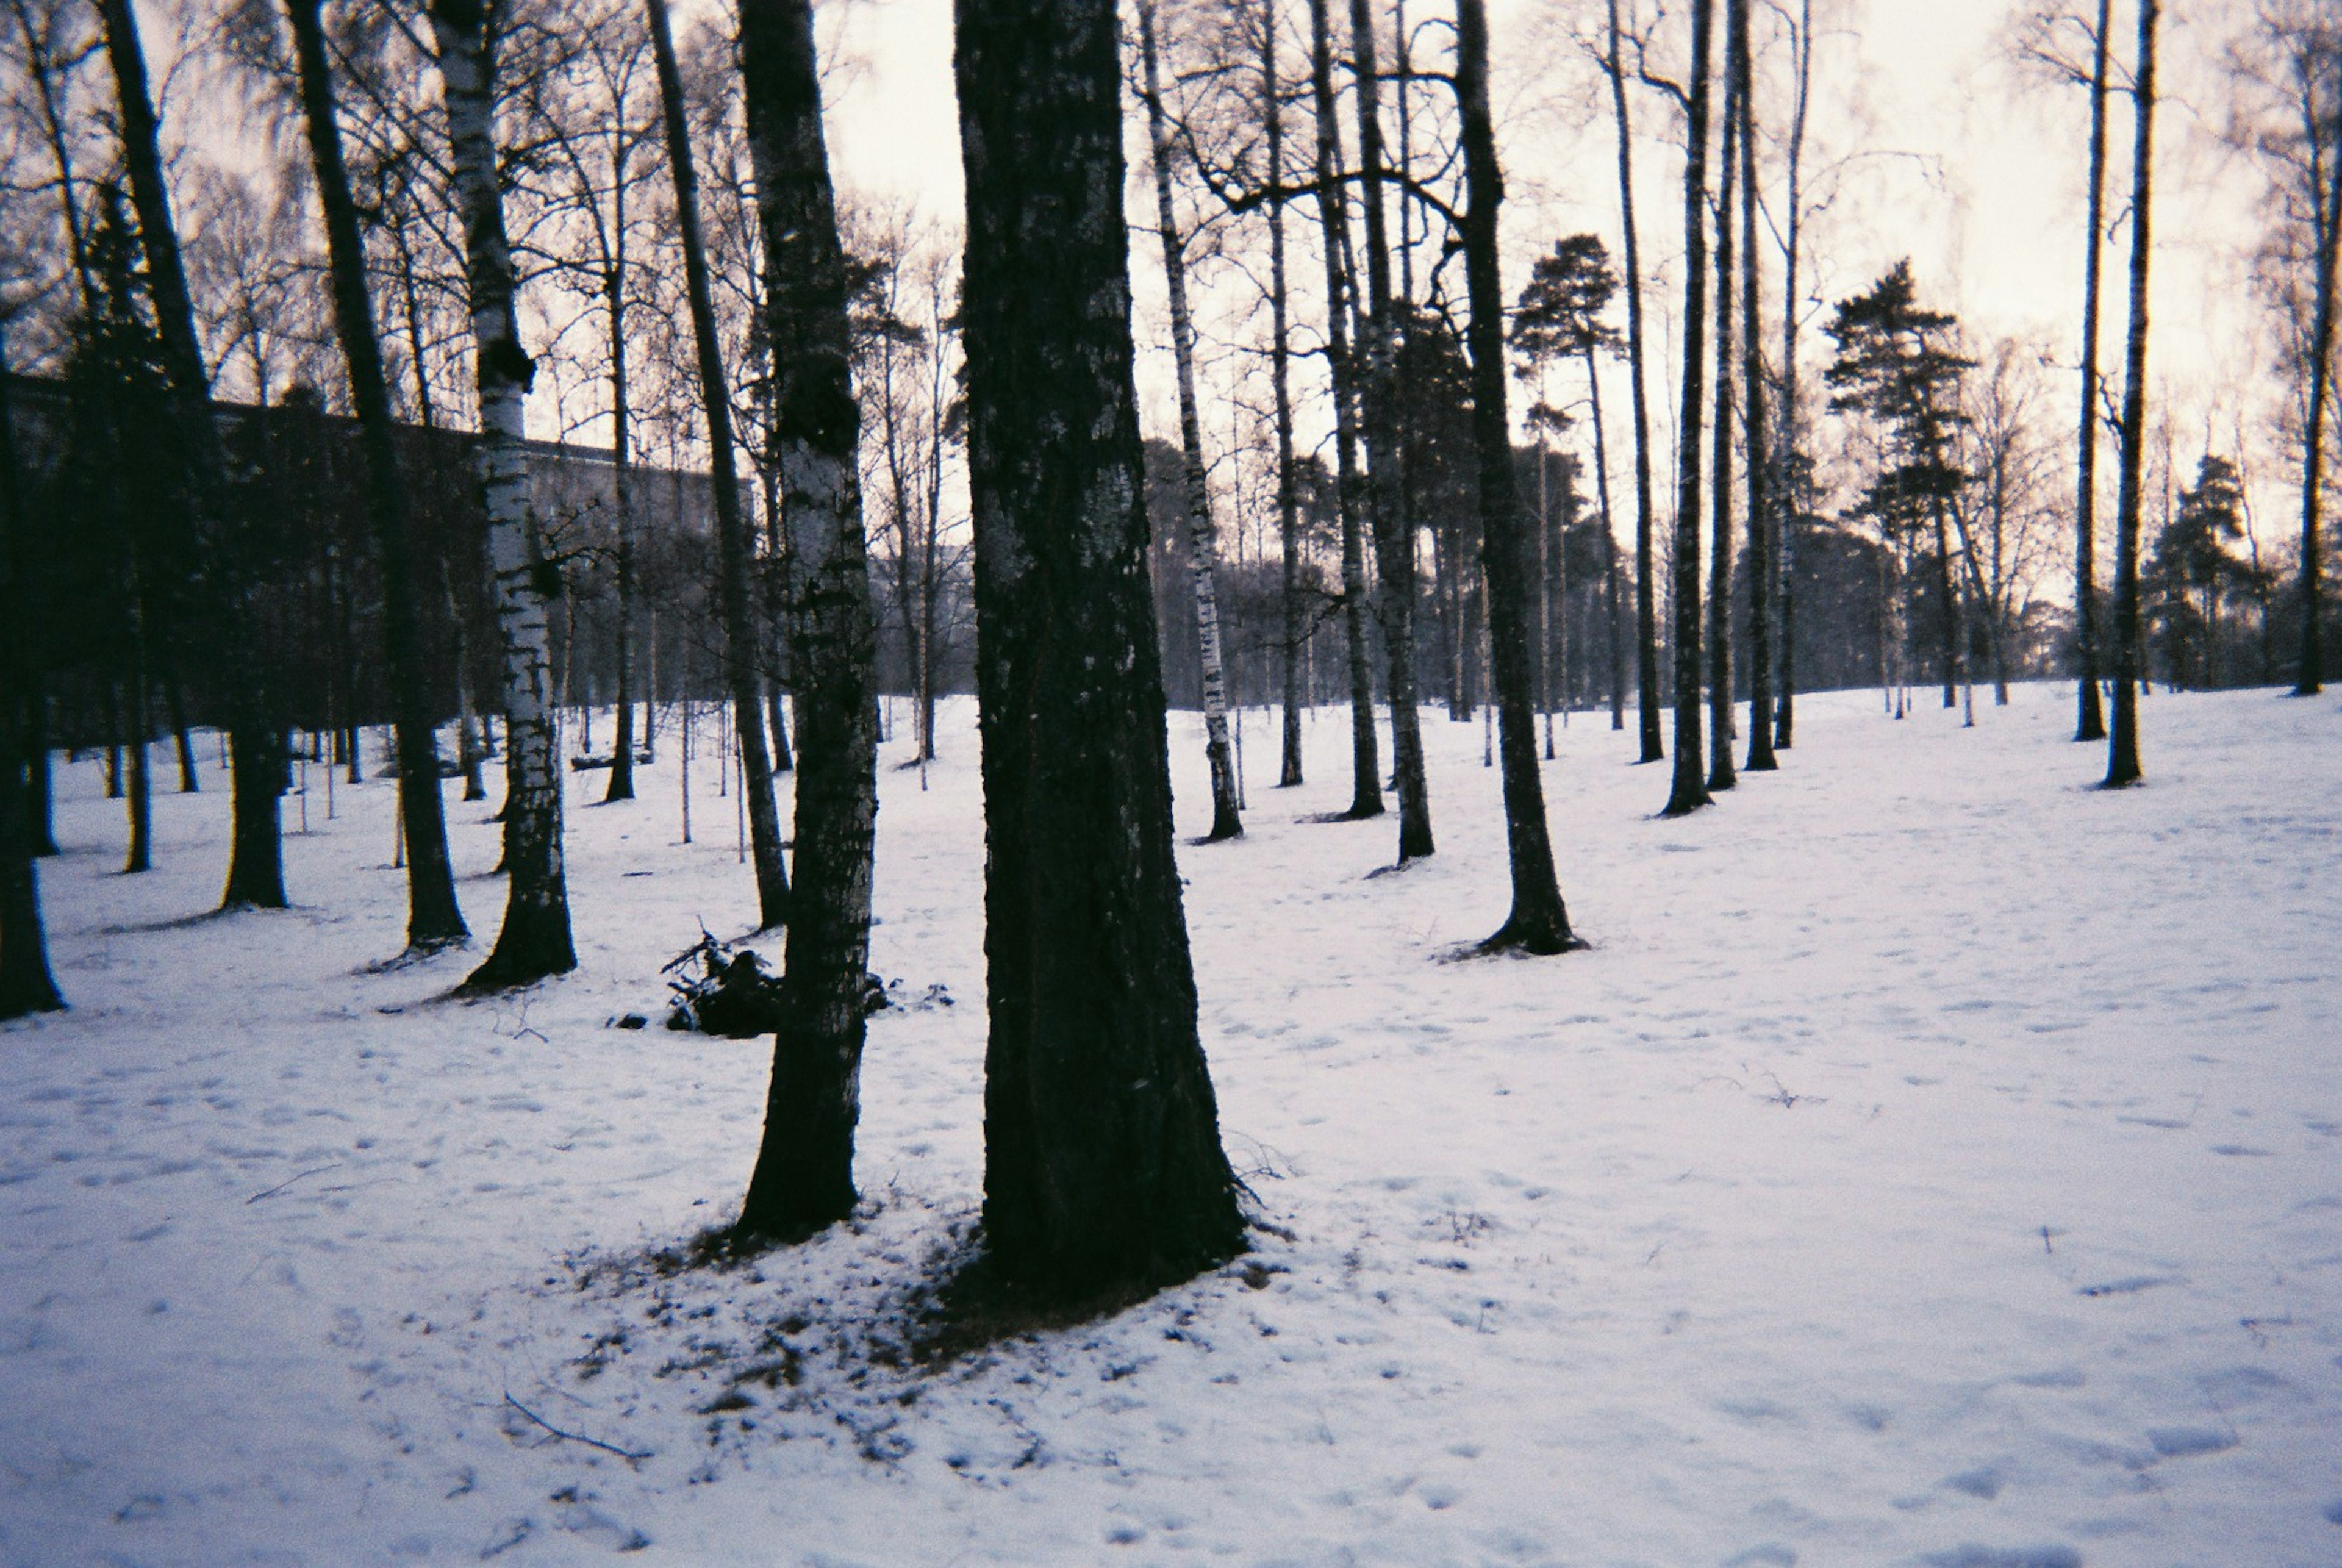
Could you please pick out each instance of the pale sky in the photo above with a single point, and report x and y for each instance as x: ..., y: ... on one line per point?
x: 1980, y: 186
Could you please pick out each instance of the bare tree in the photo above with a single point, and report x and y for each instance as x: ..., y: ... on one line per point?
x: 1538, y: 920
x: 1394, y: 532
x: 433, y: 918
x: 1203, y: 551
x: 1646, y: 654
x: 255, y: 875
x: 804, y: 1168
x: 2122, y: 739
x: 1688, y: 790
x: 733, y: 545
x: 1342, y: 374
x: 1103, y: 1165
x: 535, y: 940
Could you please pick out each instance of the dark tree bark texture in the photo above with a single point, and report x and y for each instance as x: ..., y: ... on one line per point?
x: 433, y: 918
x: 1647, y: 621
x: 1538, y: 923
x: 733, y: 546
x: 27, y: 985
x: 1103, y: 1167
x: 2089, y: 715
x: 255, y: 875
x: 1688, y: 790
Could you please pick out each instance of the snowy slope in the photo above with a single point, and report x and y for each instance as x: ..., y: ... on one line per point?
x: 1934, y: 1160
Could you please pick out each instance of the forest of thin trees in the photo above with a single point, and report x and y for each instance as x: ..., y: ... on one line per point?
x: 395, y: 387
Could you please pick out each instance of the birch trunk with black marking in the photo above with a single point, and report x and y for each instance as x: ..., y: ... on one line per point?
x: 1103, y: 1173
x: 1334, y: 219
x: 433, y: 918
x: 2122, y: 737
x: 1385, y: 482
x: 1688, y: 790
x: 803, y: 1177
x: 255, y: 875
x: 622, y: 482
x: 1538, y: 921
x: 1203, y: 544
x: 1646, y: 619
x: 535, y: 940
x: 733, y: 545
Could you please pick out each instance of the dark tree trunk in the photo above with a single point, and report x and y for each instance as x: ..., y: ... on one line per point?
x: 1203, y: 550
x: 733, y: 545
x: 2312, y: 675
x: 433, y: 918
x: 1688, y: 791
x: 1280, y: 356
x: 2089, y: 720
x: 1385, y: 482
x: 174, y: 694
x: 622, y: 485
x: 1646, y: 618
x: 535, y: 940
x: 1720, y: 772
x: 1761, y: 531
x: 41, y: 796
x: 1788, y: 500
x: 1538, y: 921
x: 27, y: 985
x: 2122, y: 742
x: 255, y: 875
x: 1103, y: 1165
x: 803, y: 1178
x: 1333, y: 210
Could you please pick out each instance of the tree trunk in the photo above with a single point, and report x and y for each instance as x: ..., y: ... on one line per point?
x: 1538, y: 923
x: 733, y: 548
x: 2122, y: 742
x: 803, y: 1178
x: 1333, y: 211
x: 1393, y: 536
x: 433, y: 918
x: 1203, y: 550
x: 622, y: 486
x: 1646, y: 622
x: 1280, y: 356
x: 2089, y: 722
x: 1720, y: 774
x: 1788, y: 497
x: 535, y: 940
x: 1759, y: 456
x: 255, y: 876
x: 2312, y: 675
x: 1688, y: 790
x: 27, y: 985
x: 1103, y: 1165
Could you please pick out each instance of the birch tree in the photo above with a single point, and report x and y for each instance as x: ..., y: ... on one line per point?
x: 1688, y: 790
x: 805, y: 1169
x: 535, y: 940
x: 1202, y: 544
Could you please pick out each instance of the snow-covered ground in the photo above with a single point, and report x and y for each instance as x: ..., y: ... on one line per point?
x: 1933, y: 1161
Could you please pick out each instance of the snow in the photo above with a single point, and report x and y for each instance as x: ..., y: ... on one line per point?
x: 1934, y: 1160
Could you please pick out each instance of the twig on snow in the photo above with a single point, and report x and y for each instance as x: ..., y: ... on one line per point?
x: 629, y: 1455
x: 271, y: 1192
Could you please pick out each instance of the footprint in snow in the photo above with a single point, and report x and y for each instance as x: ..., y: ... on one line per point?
x: 1973, y: 1556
